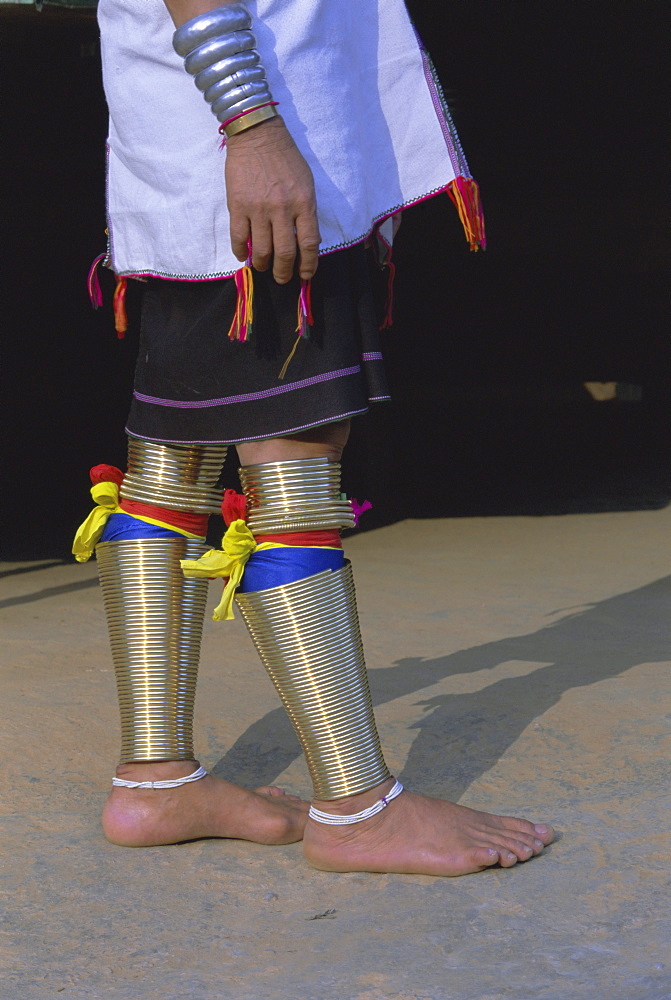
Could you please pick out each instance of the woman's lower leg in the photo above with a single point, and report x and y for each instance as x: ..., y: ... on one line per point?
x: 310, y: 661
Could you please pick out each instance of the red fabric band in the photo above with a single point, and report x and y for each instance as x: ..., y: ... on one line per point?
x: 195, y: 523
x: 327, y: 538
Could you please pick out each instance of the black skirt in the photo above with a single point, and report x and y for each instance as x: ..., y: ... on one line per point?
x: 194, y: 385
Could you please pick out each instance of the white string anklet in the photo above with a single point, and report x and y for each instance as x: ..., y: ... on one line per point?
x: 168, y: 783
x: 331, y: 819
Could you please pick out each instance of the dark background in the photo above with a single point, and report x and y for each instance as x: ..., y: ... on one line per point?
x: 562, y: 109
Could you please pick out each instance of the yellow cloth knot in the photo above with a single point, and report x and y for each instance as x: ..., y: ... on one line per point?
x: 106, y: 495
x: 237, y: 546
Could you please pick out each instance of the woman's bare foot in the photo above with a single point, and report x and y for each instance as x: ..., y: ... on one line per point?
x: 417, y: 835
x: 274, y: 792
x: 210, y: 807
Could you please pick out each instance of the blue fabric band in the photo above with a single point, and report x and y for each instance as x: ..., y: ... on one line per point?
x: 276, y: 567
x: 120, y: 526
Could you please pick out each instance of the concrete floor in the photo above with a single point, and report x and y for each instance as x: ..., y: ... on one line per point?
x: 518, y: 664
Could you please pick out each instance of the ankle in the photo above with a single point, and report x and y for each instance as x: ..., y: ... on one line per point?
x: 355, y: 803
x: 155, y: 770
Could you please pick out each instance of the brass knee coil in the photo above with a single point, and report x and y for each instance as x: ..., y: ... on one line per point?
x: 307, y: 634
x: 300, y: 495
x: 180, y: 477
x: 155, y: 619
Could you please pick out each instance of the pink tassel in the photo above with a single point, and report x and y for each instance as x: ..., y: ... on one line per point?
x: 93, y: 283
x: 359, y: 508
x: 305, y: 317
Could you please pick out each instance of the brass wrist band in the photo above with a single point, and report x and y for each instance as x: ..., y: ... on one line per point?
x: 155, y: 619
x: 299, y: 495
x: 180, y: 477
x: 249, y: 119
x: 307, y: 634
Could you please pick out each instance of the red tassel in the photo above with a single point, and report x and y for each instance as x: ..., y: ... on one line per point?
x: 389, y: 307
x: 119, y: 307
x: 233, y: 507
x: 93, y: 283
x: 106, y: 474
x: 465, y: 194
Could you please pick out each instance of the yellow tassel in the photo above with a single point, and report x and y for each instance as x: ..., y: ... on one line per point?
x: 288, y: 361
x: 465, y: 195
x: 106, y: 495
x: 237, y: 546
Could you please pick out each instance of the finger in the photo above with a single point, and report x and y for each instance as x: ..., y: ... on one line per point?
x: 262, y: 244
x: 284, y: 251
x: 240, y: 234
x: 309, y: 240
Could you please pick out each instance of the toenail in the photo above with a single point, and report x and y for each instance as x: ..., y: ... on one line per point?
x: 539, y: 844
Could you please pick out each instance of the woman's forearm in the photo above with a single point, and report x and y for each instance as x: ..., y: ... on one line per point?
x: 182, y: 11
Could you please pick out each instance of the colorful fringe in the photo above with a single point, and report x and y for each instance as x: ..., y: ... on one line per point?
x: 304, y: 321
x: 93, y: 283
x: 388, y: 318
x: 465, y: 195
x: 118, y: 300
x: 119, y: 307
x: 305, y: 317
x: 241, y: 327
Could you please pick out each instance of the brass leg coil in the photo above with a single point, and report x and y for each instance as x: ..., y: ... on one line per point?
x: 307, y: 634
x: 155, y: 619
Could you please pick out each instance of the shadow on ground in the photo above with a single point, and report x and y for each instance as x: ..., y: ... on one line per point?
x: 472, y: 731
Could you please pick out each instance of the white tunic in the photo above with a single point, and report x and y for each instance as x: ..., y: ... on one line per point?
x: 353, y: 87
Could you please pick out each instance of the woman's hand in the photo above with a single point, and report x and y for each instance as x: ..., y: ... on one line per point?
x: 271, y: 200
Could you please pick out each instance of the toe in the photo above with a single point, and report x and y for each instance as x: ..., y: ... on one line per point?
x: 507, y: 859
x: 545, y: 833
x: 273, y: 792
x: 270, y: 791
x: 485, y: 857
x: 520, y: 827
x: 519, y: 847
